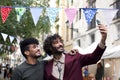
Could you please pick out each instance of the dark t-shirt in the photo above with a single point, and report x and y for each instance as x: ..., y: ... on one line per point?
x: 29, y: 72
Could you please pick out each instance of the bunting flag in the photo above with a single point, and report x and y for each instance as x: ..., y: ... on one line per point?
x: 18, y: 41
x: 109, y: 15
x: 20, y: 12
x: 1, y: 49
x: 70, y: 12
x: 4, y: 36
x: 8, y: 47
x: 52, y: 14
x: 89, y: 14
x: 11, y: 38
x: 1, y: 45
x: 5, y: 12
x: 36, y: 12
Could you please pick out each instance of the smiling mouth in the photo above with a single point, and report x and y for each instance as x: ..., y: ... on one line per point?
x: 38, y: 53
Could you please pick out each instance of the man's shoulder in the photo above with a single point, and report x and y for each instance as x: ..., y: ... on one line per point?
x: 42, y: 62
x: 20, y: 65
x: 72, y: 55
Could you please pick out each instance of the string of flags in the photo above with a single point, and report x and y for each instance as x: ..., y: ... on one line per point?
x: 4, y: 48
x: 53, y: 12
x: 8, y: 47
x: 10, y: 37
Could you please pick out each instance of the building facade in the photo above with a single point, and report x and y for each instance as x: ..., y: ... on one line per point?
x: 85, y: 37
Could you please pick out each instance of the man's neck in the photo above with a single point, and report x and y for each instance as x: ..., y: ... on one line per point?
x: 57, y: 56
x: 31, y: 61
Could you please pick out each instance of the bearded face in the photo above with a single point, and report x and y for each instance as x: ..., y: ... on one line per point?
x: 57, y: 46
x: 34, y: 51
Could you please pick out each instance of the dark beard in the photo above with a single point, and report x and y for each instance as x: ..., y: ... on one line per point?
x: 37, y: 56
x: 55, y: 51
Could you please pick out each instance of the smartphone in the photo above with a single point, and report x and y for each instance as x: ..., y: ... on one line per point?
x: 98, y: 22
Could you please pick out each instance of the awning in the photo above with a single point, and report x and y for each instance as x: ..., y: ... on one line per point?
x: 112, y: 53
x: 87, y: 50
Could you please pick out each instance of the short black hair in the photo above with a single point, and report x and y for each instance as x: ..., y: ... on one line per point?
x: 24, y: 44
x: 47, y: 45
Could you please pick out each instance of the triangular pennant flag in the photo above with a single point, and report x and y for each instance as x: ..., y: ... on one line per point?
x: 89, y: 14
x: 109, y: 15
x: 1, y: 45
x: 18, y: 41
x: 4, y: 36
x: 5, y: 12
x: 52, y: 14
x: 8, y: 47
x: 36, y: 12
x: 70, y: 12
x: 11, y: 38
x: 1, y: 49
x: 20, y: 12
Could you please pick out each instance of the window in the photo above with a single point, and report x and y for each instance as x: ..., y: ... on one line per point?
x: 79, y: 14
x: 71, y: 31
x: 67, y: 33
x: 116, y: 4
x: 92, y: 38
x: 72, y: 2
x: 91, y: 3
x: 57, y: 28
x: 118, y: 7
x: 79, y: 44
x: 118, y: 31
x: 92, y: 24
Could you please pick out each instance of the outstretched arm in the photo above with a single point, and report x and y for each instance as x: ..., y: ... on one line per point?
x: 103, y: 31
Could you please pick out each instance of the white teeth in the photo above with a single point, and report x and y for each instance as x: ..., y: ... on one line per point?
x: 38, y: 54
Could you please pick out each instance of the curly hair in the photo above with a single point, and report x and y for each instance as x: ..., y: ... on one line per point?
x: 47, y: 46
x: 24, y: 44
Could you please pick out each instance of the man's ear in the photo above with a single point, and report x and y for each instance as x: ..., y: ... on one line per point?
x: 26, y: 52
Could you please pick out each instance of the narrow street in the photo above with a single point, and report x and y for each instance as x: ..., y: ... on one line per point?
x: 1, y: 76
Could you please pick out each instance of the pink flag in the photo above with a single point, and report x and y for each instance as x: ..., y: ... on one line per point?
x: 5, y: 12
x: 70, y: 12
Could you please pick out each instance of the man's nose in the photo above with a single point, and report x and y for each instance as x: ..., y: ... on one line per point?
x: 60, y: 43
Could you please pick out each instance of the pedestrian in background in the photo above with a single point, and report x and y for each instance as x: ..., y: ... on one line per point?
x: 86, y: 71
x: 6, y: 71
x: 91, y: 76
x: 0, y: 68
x: 99, y: 71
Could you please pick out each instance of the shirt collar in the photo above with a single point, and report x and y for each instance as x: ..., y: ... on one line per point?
x: 61, y: 60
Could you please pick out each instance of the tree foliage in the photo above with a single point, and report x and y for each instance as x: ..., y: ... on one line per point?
x: 25, y: 28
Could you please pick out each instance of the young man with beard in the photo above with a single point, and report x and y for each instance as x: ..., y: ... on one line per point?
x: 32, y: 68
x: 67, y: 67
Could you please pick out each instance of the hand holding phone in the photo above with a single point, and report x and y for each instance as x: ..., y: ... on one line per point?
x: 98, y: 22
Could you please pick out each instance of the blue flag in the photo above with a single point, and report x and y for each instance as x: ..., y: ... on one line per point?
x: 52, y: 14
x: 89, y: 14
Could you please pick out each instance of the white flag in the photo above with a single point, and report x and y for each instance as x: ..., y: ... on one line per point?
x: 4, y: 36
x: 36, y: 12
x: 1, y: 45
x: 109, y: 14
x: 11, y: 38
